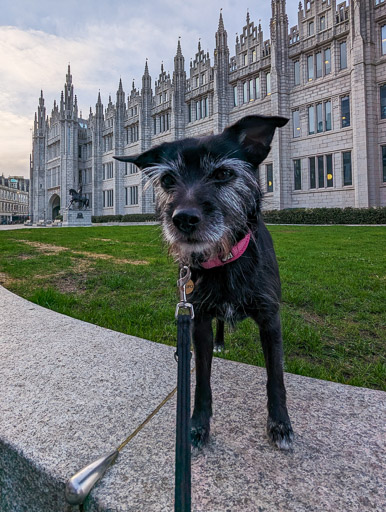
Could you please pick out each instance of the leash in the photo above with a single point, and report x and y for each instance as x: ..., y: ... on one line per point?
x: 79, y: 486
x: 184, y: 315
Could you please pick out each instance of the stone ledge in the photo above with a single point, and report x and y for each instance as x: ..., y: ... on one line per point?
x: 72, y: 391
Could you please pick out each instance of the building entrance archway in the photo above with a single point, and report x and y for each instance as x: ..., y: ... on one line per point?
x: 54, y: 206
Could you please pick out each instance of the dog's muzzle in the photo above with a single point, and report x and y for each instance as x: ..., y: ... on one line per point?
x: 187, y: 220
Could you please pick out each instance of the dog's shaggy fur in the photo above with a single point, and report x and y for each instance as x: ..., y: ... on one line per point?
x: 208, y: 199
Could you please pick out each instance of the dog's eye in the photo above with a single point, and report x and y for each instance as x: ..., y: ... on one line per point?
x: 222, y: 174
x: 167, y: 181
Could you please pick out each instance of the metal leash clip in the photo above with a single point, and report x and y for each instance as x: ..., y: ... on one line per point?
x: 185, y: 276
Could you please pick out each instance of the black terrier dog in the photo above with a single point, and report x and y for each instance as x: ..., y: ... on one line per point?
x: 208, y: 200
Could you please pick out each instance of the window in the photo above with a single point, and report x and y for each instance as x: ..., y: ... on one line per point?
x: 383, y: 38
x: 107, y: 171
x: 254, y: 55
x: 383, y: 101
x: 330, y: 178
x: 343, y: 55
x: 197, y: 81
x: 160, y: 98
x: 297, y: 72
x: 297, y: 175
x: 345, y: 111
x: 384, y: 163
x: 320, y: 172
x: 268, y: 78
x: 310, y: 67
x: 318, y: 58
x: 322, y: 23
x: 311, y: 28
x: 198, y: 110
x: 257, y: 87
x: 251, y: 90
x: 347, y: 173
x: 189, y: 112
x: 245, y: 92
x: 296, y: 123
x: 134, y: 195
x: 203, y: 79
x: 108, y: 198
x: 311, y: 120
x: 327, y: 115
x: 319, y: 118
x: 327, y: 61
x: 130, y: 168
x: 235, y: 96
x: 155, y: 126
x: 245, y: 59
x: 269, y: 178
x: 311, y: 166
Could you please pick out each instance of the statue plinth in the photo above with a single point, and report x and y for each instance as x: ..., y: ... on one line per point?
x: 76, y: 218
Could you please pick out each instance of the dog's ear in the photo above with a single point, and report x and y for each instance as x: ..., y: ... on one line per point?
x: 254, y: 134
x: 147, y: 159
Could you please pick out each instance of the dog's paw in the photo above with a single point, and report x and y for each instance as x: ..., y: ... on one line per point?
x: 218, y: 349
x: 199, y: 436
x: 280, y: 434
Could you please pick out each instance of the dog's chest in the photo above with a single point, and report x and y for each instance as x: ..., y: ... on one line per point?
x: 217, y: 296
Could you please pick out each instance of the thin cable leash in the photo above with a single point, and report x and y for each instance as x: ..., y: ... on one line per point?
x: 79, y: 486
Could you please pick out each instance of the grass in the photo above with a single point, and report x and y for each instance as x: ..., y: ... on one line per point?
x: 333, y: 311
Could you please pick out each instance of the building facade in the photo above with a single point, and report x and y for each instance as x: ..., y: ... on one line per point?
x: 327, y: 75
x: 14, y: 199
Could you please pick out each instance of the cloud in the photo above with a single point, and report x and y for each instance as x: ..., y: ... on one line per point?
x: 103, y: 42
x: 15, y: 136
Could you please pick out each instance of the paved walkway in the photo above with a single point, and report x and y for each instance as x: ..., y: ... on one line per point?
x: 72, y: 391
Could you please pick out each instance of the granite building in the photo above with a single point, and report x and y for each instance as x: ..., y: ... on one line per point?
x: 327, y: 75
x: 14, y: 199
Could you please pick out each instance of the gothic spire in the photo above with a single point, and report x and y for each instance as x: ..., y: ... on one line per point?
x: 220, y: 23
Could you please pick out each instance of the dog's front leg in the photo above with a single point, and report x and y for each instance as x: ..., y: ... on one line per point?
x: 203, y: 349
x: 279, y: 427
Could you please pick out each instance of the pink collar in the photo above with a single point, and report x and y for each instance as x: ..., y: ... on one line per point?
x: 235, y: 253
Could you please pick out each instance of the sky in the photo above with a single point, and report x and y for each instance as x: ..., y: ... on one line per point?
x: 103, y: 42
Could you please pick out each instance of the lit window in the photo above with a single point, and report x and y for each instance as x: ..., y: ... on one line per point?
x: 254, y: 55
x: 327, y: 61
x: 345, y: 111
x: 383, y: 36
x: 269, y: 178
x: 296, y: 123
x: 329, y: 171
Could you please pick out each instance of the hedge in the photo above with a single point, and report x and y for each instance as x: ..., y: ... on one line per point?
x: 326, y: 216
x: 289, y: 216
x: 133, y: 217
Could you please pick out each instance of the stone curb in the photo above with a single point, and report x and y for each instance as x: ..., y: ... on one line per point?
x: 72, y: 391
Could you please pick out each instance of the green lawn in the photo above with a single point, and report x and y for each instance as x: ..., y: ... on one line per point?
x: 333, y: 278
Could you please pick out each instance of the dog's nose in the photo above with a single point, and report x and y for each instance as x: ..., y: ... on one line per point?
x: 186, y: 220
